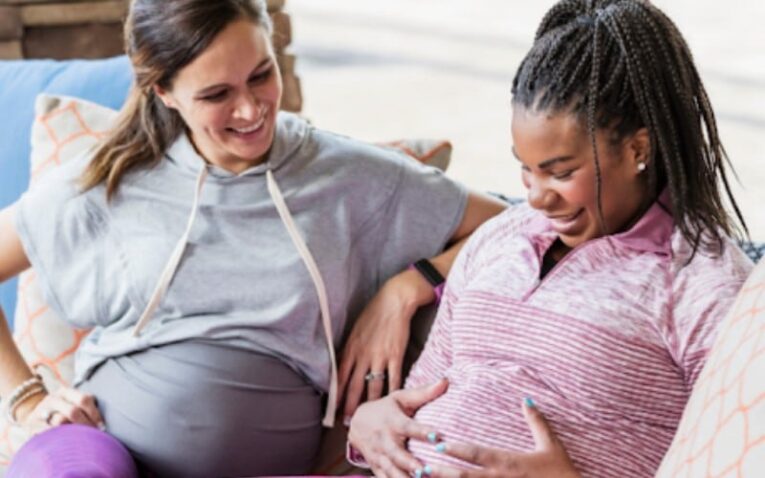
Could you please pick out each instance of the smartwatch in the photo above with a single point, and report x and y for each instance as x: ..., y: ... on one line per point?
x: 431, y: 274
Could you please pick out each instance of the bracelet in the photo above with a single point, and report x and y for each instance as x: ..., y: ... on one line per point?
x: 431, y: 274
x: 21, y: 394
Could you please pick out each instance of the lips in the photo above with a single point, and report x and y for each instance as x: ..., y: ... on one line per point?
x: 251, y: 128
x: 564, y: 223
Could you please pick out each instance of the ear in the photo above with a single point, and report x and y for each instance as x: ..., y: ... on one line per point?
x: 638, y: 149
x: 164, y: 96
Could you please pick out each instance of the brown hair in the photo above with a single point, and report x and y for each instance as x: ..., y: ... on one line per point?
x: 161, y: 37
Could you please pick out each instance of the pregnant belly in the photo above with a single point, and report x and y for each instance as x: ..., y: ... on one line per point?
x: 483, y: 406
x: 201, y: 409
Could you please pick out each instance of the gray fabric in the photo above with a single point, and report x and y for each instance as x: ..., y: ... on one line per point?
x: 364, y: 212
x: 202, y: 409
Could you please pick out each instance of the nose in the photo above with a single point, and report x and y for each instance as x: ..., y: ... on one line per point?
x: 540, y: 196
x: 248, y: 106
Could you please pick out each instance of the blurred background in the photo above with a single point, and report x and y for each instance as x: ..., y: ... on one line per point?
x: 382, y: 70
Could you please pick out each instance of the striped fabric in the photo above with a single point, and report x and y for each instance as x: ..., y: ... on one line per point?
x: 608, y: 345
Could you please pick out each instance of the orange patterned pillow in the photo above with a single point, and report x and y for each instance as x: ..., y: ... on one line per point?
x: 64, y: 127
x: 722, y: 432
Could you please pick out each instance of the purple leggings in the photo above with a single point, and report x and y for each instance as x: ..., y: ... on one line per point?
x: 73, y: 451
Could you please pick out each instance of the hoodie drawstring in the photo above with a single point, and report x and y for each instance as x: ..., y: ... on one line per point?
x: 172, y: 265
x: 321, y: 291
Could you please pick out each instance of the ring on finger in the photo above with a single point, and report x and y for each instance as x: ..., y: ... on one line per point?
x: 375, y: 376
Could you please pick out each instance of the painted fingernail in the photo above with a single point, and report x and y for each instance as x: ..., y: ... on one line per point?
x: 418, y: 473
x: 529, y: 402
x: 347, y: 421
x: 441, y: 448
x: 433, y: 437
x: 428, y: 470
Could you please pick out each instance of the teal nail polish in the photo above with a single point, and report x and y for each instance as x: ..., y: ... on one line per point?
x: 433, y: 437
x: 428, y: 470
x: 441, y: 448
x: 529, y: 402
x: 418, y: 473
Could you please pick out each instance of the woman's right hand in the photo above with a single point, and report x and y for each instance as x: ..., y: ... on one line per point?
x: 380, y: 429
x: 65, y: 405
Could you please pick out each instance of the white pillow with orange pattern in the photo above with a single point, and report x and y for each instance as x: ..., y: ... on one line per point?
x: 722, y: 432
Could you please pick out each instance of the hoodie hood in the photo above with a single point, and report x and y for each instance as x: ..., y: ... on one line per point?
x: 290, y: 134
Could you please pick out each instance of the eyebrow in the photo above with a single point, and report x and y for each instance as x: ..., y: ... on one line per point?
x: 547, y: 163
x: 209, y: 89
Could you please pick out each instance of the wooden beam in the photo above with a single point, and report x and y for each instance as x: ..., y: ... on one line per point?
x: 11, y: 50
x: 11, y: 27
x: 73, y: 13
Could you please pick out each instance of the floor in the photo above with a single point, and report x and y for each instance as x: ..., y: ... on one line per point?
x: 381, y: 70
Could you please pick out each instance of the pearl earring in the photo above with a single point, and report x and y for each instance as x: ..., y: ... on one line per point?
x: 641, y: 167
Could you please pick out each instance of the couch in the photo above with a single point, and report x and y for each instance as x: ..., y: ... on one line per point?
x: 106, y: 82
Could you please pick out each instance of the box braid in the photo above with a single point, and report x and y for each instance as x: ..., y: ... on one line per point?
x: 623, y: 65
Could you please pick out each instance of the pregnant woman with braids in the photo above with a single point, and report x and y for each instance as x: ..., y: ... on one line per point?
x: 572, y: 329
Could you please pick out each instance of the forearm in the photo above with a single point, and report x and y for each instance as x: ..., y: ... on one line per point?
x: 422, y: 291
x: 479, y: 209
x: 410, y: 288
x: 13, y: 369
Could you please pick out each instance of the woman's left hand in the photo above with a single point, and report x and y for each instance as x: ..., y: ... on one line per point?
x: 549, y: 458
x: 374, y: 351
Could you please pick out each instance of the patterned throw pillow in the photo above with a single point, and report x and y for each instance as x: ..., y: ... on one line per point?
x: 63, y: 128
x: 722, y: 432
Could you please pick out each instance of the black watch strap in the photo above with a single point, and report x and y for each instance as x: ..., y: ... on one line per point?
x: 429, y: 272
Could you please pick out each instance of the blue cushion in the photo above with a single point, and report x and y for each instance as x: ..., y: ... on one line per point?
x: 102, y: 81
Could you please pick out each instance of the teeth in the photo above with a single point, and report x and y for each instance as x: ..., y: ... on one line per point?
x: 251, y: 128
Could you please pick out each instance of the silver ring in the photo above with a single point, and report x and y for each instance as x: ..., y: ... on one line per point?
x: 375, y: 376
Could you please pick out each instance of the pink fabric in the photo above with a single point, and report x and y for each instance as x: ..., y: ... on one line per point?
x: 608, y: 345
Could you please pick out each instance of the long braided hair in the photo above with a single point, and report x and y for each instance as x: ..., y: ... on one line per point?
x: 623, y: 65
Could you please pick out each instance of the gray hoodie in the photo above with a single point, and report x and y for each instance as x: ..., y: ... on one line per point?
x: 363, y: 211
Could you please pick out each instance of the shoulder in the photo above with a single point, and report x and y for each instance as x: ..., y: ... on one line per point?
x: 60, y: 186
x: 515, y: 220
x: 731, y: 263
x: 708, y: 278
x: 377, y: 170
x: 491, y: 237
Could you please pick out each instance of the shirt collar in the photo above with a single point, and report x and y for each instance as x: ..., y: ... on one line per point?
x: 651, y: 233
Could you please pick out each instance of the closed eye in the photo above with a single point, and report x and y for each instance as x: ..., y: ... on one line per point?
x: 260, y: 77
x: 563, y: 175
x: 215, y: 97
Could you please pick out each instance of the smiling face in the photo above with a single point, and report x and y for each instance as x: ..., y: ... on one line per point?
x: 229, y: 97
x: 559, y: 172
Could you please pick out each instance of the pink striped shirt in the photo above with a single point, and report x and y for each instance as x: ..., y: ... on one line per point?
x: 608, y: 344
